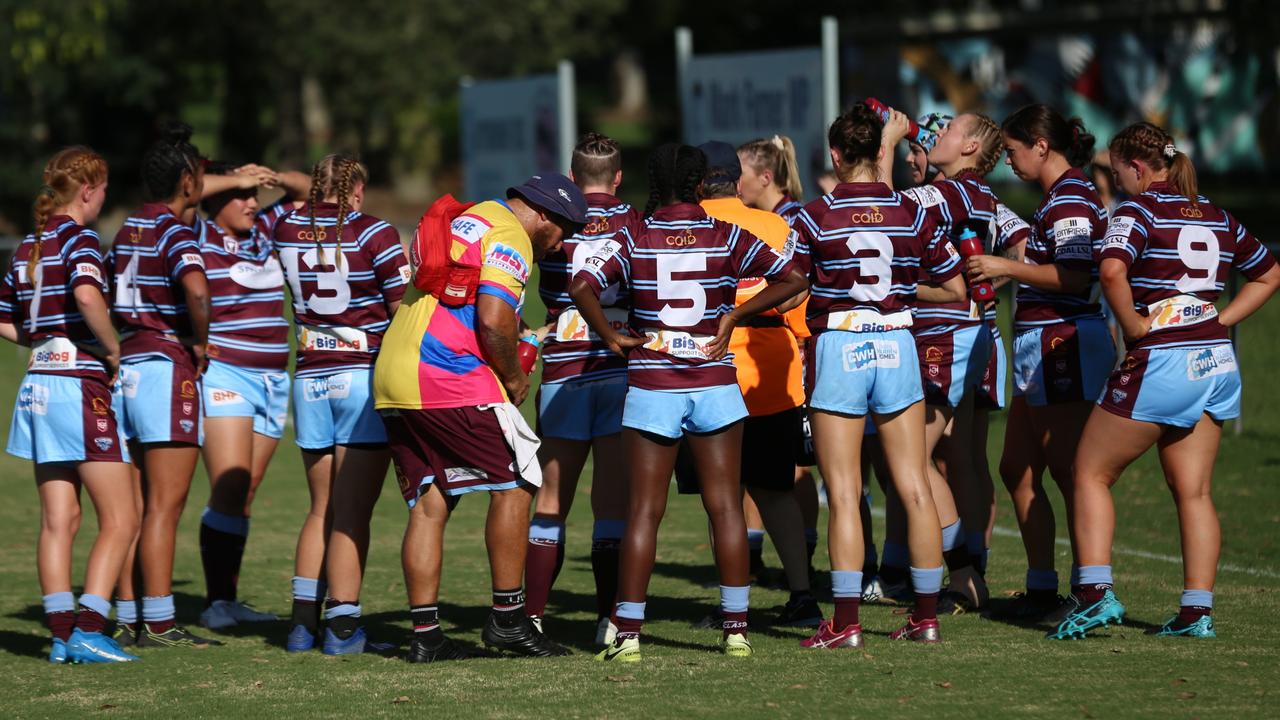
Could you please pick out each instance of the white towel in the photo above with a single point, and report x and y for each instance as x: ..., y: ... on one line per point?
x: 522, y: 440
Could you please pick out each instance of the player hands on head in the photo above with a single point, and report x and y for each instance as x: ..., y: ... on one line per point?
x: 447, y: 385
x: 347, y: 273
x: 1063, y: 350
x: 580, y: 398
x: 245, y: 390
x: 162, y: 311
x: 1165, y: 260
x: 682, y: 269
x: 52, y: 298
x: 865, y: 246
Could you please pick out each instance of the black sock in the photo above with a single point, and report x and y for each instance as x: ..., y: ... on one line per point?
x: 604, y: 566
x: 307, y: 614
x: 343, y: 626
x: 426, y: 624
x: 508, y: 606
x: 220, y: 554
x: 798, y: 595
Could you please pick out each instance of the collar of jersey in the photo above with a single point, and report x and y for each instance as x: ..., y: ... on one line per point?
x: 680, y: 211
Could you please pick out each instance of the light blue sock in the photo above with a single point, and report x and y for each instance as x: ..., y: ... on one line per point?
x: 951, y: 535
x: 306, y: 589
x: 1197, y: 598
x: 608, y: 529
x: 59, y: 602
x: 230, y: 524
x: 1042, y: 579
x: 546, y: 532
x: 846, y: 583
x: 630, y: 610
x: 344, y: 610
x: 735, y: 598
x: 157, y: 609
x: 98, y: 604
x: 755, y: 538
x: 895, y: 555
x: 1093, y: 575
x: 127, y: 611
x: 926, y: 581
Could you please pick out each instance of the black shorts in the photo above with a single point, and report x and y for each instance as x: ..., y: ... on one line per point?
x: 771, y: 446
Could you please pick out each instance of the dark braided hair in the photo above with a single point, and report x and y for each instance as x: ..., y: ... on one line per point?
x: 1068, y: 137
x: 675, y: 174
x: 167, y: 160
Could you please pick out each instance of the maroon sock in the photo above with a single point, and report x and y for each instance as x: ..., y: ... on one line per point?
x: 926, y: 607
x: 846, y: 613
x: 220, y: 554
x: 160, y: 627
x: 60, y: 623
x: 604, y: 566
x: 627, y: 627
x: 1089, y: 594
x: 1188, y: 614
x: 90, y: 621
x: 734, y: 622
x: 540, y: 569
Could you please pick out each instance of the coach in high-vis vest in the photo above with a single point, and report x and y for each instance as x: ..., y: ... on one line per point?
x: 447, y: 384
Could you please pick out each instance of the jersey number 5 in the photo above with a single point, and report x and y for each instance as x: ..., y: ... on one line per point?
x: 874, y: 253
x: 688, y: 290
x: 331, y: 294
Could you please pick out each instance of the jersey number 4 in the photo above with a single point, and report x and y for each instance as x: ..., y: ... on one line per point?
x: 326, y: 291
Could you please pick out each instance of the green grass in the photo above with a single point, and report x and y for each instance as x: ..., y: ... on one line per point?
x: 984, y: 668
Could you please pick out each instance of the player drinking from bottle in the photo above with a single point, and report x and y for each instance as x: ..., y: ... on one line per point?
x: 682, y: 269
x: 1166, y: 258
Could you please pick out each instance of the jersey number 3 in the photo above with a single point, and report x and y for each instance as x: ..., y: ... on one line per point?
x: 330, y: 293
x: 874, y: 253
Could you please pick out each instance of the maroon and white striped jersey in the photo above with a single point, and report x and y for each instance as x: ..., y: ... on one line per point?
x: 789, y: 208
x: 151, y: 254
x: 571, y: 350
x: 247, y: 325
x: 681, y: 268
x: 864, y: 247
x: 342, y: 289
x: 1067, y: 230
x: 1179, y: 256
x: 44, y: 307
x: 965, y: 201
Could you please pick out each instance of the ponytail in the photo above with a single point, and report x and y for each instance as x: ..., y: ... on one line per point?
x: 1151, y: 144
x: 778, y: 156
x: 1067, y: 137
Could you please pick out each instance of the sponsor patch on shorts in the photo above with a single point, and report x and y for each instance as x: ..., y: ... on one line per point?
x: 1210, y: 361
x: 129, y: 380
x: 870, y: 354
x: 220, y: 398
x: 187, y: 425
x: 464, y: 475
x: 34, y: 397
x: 333, y: 387
x: 104, y: 444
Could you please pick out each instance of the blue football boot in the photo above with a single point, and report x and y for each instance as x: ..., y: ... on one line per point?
x: 1201, y: 628
x: 354, y: 645
x: 1104, y: 612
x: 94, y: 647
x: 58, y: 653
x: 300, y: 639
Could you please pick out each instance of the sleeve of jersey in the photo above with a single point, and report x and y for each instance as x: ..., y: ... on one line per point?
x: 941, y: 260
x: 182, y: 252
x: 265, y: 224
x: 758, y: 259
x: 1011, y: 230
x: 8, y: 298
x: 1072, y: 226
x: 1251, y: 258
x: 1126, y: 235
x: 801, y: 242
x: 84, y: 262
x: 507, y: 261
x: 390, y: 264
x: 610, y: 264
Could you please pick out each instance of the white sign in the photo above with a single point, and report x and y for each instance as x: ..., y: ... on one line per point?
x: 738, y: 97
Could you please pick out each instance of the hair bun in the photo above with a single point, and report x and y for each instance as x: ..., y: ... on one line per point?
x: 176, y: 132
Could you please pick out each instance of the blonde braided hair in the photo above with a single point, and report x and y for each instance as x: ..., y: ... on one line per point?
x: 335, y: 176
x: 987, y: 133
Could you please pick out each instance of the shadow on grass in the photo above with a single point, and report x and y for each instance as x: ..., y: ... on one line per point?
x: 24, y: 644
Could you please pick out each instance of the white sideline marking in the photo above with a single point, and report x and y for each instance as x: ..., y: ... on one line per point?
x: 1172, y: 559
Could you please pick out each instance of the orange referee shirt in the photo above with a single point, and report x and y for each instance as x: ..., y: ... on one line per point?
x: 767, y: 359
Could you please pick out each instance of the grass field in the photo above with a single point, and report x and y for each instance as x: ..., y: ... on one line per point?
x: 985, y: 668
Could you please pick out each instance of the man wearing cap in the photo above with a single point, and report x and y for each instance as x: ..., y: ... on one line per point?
x: 447, y: 384
x: 767, y: 359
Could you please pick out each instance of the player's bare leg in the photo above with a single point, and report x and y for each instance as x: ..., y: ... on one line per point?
x: 652, y: 459
x: 422, y: 557
x: 838, y: 439
x: 983, y: 483
x: 718, y: 457
x: 964, y: 578
x: 166, y: 480
x: 130, y: 581
x: 358, y: 474
x: 1021, y: 470
x: 308, y: 557
x: 1187, y: 459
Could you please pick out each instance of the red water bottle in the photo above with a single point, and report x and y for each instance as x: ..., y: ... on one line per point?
x: 915, y: 133
x: 527, y: 352
x: 971, y: 246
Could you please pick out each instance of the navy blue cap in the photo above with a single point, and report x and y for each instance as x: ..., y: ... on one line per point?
x: 556, y: 194
x: 722, y: 161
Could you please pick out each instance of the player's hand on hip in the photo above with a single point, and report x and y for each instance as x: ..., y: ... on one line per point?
x: 623, y: 344
x: 720, y: 344
x: 200, y: 357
